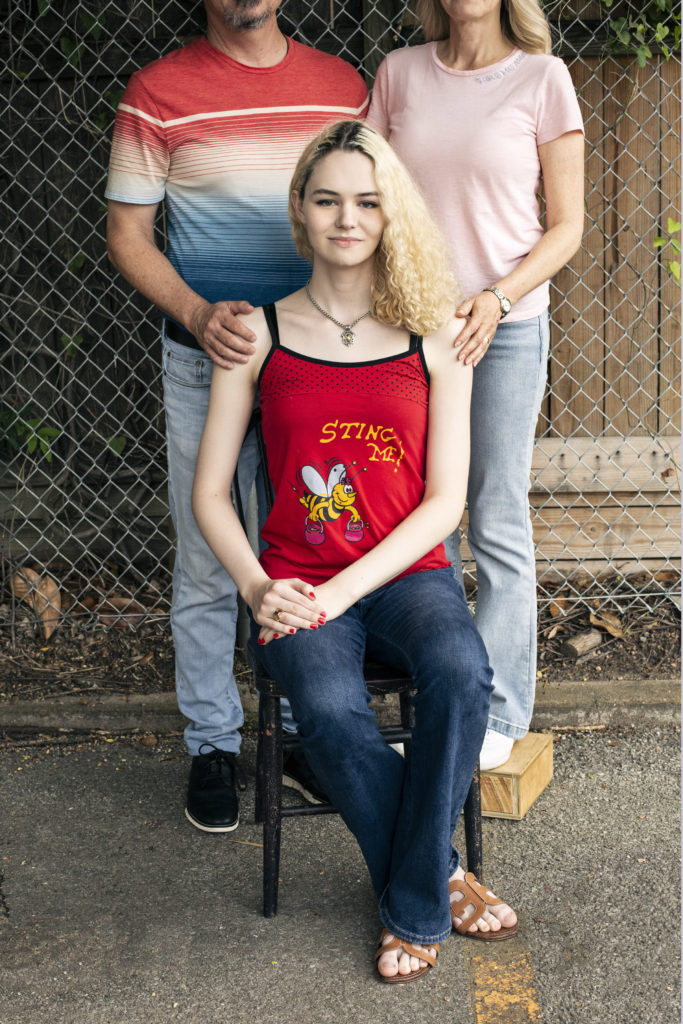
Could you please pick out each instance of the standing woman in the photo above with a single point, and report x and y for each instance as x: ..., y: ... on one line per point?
x: 481, y: 115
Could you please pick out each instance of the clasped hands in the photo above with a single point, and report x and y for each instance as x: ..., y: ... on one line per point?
x: 283, y: 607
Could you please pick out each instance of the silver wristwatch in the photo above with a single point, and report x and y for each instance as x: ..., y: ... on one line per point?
x: 505, y: 304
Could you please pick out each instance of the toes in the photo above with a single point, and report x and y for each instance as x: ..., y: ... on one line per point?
x: 388, y: 965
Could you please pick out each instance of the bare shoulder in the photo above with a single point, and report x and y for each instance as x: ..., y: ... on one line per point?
x: 439, y: 347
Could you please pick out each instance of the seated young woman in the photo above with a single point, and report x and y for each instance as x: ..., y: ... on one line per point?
x: 365, y: 423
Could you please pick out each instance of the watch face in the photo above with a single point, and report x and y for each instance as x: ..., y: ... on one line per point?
x: 506, y: 305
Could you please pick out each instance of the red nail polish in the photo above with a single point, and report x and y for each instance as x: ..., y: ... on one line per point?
x: 275, y: 636
x: 321, y: 620
x: 313, y: 625
x: 292, y: 630
x: 262, y: 641
x: 311, y: 594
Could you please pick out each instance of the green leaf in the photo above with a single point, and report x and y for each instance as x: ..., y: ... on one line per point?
x: 117, y: 444
x: 673, y: 226
x: 71, y: 50
x: 91, y: 24
x: 76, y: 262
x: 114, y: 97
x: 71, y: 345
x: 659, y: 241
x: 675, y: 269
x: 43, y: 5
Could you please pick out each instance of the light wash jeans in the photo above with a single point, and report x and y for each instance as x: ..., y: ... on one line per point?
x: 204, y: 605
x: 507, y: 392
x: 402, y: 812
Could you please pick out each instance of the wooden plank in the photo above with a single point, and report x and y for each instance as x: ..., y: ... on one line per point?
x: 670, y: 304
x: 562, y: 571
x: 632, y: 291
x: 509, y: 791
x: 606, y: 463
x: 610, y: 534
x: 578, y: 316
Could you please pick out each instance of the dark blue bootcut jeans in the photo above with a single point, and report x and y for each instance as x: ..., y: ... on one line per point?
x: 402, y: 812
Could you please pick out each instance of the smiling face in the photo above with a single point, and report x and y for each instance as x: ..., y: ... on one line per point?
x: 341, y: 209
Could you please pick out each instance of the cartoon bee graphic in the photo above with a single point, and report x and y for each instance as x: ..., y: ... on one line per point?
x: 327, y: 501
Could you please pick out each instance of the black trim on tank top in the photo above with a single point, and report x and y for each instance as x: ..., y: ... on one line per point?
x: 270, y: 314
x: 271, y: 323
x: 271, y: 319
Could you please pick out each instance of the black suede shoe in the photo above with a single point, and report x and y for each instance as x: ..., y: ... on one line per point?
x: 212, y: 803
x: 297, y: 774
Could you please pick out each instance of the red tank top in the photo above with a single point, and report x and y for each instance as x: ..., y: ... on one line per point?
x: 345, y: 447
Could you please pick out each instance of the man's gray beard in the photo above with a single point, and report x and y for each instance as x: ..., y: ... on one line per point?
x: 243, y: 20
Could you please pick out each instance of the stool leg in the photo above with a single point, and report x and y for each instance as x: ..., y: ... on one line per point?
x: 272, y: 821
x: 473, y: 838
x: 260, y: 743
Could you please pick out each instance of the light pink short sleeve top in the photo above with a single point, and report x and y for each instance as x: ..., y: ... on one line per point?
x: 470, y: 140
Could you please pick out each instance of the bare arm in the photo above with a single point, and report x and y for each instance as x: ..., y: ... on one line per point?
x: 562, y: 162
x: 230, y: 406
x: 134, y: 253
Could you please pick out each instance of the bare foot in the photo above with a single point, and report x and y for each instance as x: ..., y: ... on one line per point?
x: 497, y: 914
x: 397, y: 961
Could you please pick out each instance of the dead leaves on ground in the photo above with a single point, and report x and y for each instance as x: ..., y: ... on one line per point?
x: 42, y: 593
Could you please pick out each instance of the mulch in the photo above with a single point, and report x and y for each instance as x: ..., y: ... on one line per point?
x: 135, y: 656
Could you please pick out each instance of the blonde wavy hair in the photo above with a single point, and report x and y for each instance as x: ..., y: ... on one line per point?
x: 523, y: 23
x: 412, y: 287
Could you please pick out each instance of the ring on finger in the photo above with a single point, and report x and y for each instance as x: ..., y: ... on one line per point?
x: 277, y: 613
x: 486, y: 339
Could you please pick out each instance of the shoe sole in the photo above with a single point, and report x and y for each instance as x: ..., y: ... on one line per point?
x: 292, y: 783
x: 211, y: 828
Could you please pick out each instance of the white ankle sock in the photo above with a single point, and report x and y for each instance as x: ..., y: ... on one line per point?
x: 495, y: 751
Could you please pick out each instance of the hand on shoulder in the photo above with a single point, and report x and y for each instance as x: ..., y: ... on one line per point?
x: 255, y: 323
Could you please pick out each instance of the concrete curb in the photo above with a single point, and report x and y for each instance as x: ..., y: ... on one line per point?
x: 561, y: 705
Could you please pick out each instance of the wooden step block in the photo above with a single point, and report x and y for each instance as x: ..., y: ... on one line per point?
x: 509, y: 791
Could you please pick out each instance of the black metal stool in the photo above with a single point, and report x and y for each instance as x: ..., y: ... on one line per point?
x: 272, y: 742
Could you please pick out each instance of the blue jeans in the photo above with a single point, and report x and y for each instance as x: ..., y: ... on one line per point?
x: 402, y: 812
x: 507, y: 392
x: 204, y: 605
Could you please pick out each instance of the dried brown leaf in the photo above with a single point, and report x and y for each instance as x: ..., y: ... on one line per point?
x: 42, y: 594
x: 607, y: 620
x: 560, y: 606
x: 121, y: 612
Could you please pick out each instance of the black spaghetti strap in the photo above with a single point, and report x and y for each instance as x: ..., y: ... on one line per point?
x: 271, y: 320
x: 415, y: 343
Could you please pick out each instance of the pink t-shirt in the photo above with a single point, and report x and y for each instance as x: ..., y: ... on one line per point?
x: 470, y: 140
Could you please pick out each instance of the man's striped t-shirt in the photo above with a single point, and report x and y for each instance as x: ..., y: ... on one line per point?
x: 219, y: 140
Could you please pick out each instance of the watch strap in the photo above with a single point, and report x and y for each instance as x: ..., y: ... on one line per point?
x: 503, y: 299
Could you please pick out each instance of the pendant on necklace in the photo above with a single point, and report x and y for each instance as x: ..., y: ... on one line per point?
x: 347, y: 337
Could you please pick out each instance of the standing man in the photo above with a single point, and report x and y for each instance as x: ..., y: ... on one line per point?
x: 215, y: 129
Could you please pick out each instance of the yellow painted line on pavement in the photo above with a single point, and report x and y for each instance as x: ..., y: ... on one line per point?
x: 502, y: 983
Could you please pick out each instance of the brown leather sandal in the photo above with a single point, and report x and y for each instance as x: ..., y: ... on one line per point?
x: 411, y: 950
x: 477, y: 897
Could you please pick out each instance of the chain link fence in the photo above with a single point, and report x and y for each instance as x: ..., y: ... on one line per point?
x: 82, y: 461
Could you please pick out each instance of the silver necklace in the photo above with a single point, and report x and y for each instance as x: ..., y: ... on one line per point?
x: 347, y: 335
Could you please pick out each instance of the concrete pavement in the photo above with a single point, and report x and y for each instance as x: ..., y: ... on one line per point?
x: 114, y: 910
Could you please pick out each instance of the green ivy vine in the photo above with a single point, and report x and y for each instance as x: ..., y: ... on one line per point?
x: 654, y: 30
